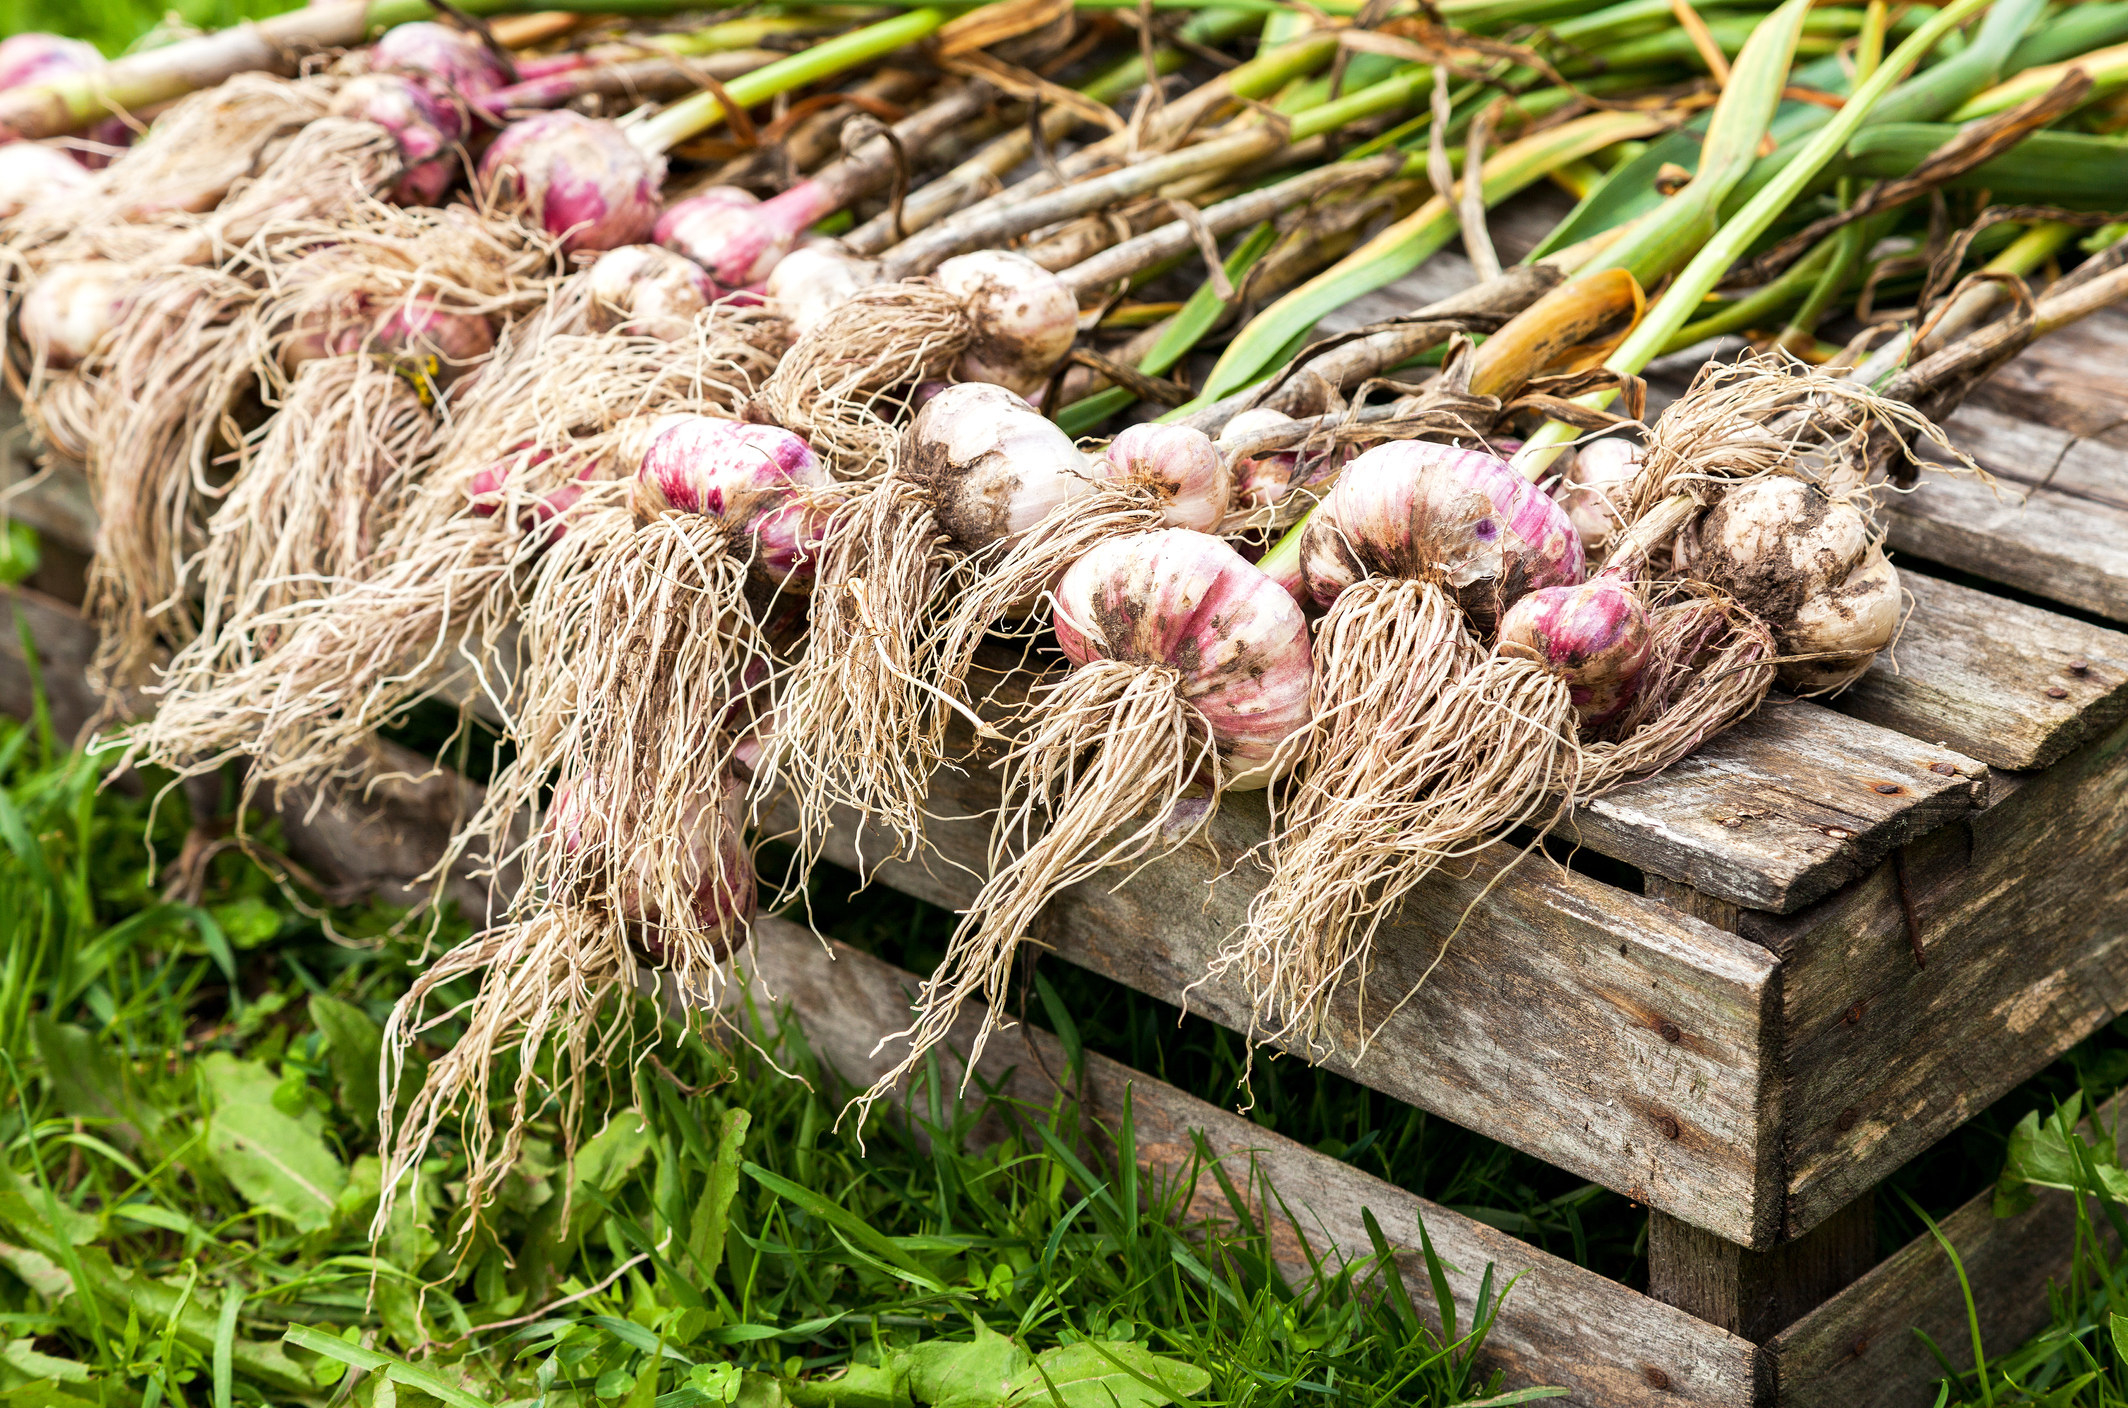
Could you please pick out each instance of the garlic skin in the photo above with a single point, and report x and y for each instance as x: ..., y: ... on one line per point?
x: 1025, y: 318
x: 1857, y: 618
x: 646, y: 291
x: 1810, y: 567
x: 1593, y: 635
x: 749, y: 477
x: 450, y: 61
x: 1594, y: 487
x: 426, y: 128
x: 31, y: 172
x: 816, y: 278
x: 1186, y: 601
x: 1180, y: 465
x: 1424, y: 511
x: 577, y: 178
x: 990, y: 465
x: 71, y: 309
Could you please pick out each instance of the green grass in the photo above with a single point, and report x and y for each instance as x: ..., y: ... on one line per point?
x: 188, y: 1172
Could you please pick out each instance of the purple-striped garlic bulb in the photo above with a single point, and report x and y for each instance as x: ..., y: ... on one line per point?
x: 741, y: 242
x: 1421, y: 511
x: 1191, y: 674
x: 72, y: 308
x: 645, y: 291
x: 1179, y: 600
x: 427, y: 130
x: 1023, y: 318
x: 579, y: 179
x: 1811, y: 567
x: 450, y: 61
x: 31, y: 172
x: 756, y: 480
x: 816, y: 278
x: 1178, y: 466
x: 1593, y: 635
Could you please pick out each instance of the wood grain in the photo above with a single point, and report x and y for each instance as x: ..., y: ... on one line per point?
x: 2076, y: 378
x: 1561, y: 1325
x: 2055, y: 545
x: 1859, y: 1349
x: 1756, y: 1294
x: 1595, y: 1029
x: 1785, y: 808
x: 2007, y: 683
x: 2023, y: 913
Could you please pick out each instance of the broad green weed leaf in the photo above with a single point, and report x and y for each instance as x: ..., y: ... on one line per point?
x: 977, y: 1373
x: 1105, y: 1374
x: 712, y: 1215
x: 859, y: 1386
x: 277, y: 1161
x: 247, y: 922
x: 91, y: 1082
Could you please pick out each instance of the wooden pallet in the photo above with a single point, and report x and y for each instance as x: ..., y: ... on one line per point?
x: 1808, y: 953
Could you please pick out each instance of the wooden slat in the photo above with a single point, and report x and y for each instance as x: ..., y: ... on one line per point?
x: 2023, y: 915
x: 1561, y: 1325
x: 1860, y: 1349
x: 1548, y: 1024
x: 1785, y: 808
x: 2076, y: 379
x: 2007, y: 683
x: 2066, y: 549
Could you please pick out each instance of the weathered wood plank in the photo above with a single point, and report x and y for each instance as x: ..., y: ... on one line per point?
x: 2023, y: 917
x: 1756, y: 1294
x: 1561, y: 1325
x: 2007, y: 683
x: 1785, y: 808
x: 1590, y: 1027
x: 1859, y: 1349
x: 2076, y: 379
x: 2066, y: 549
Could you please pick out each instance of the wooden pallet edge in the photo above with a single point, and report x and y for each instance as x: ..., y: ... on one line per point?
x: 1559, y: 1325
x: 1860, y: 1350
x: 2023, y: 919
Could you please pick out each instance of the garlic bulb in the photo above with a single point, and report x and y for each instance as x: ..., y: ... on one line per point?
x: 1809, y: 566
x: 1024, y: 317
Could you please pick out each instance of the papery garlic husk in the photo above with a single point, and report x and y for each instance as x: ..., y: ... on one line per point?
x: 647, y: 291
x: 1024, y: 318
x: 1191, y: 670
x: 816, y: 278
x: 1595, y: 487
